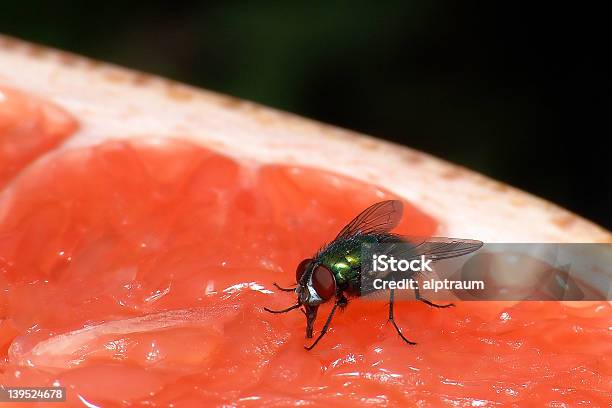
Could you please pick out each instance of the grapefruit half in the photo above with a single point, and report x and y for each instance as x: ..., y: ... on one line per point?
x: 142, y: 222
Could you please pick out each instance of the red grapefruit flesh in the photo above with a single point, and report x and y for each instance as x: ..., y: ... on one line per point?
x: 29, y: 127
x: 136, y: 272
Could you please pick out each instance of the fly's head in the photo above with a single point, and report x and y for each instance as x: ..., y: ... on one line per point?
x: 316, y: 283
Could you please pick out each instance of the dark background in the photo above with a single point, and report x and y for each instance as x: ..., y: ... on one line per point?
x: 515, y: 92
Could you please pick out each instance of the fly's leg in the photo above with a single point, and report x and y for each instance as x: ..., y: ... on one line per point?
x: 341, y: 302
x: 392, y: 319
x: 283, y: 289
x: 418, y: 297
x: 284, y: 310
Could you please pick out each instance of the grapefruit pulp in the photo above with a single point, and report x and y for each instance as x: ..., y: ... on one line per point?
x: 135, y: 272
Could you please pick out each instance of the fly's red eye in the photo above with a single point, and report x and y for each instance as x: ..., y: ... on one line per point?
x: 301, y: 269
x: 323, y: 282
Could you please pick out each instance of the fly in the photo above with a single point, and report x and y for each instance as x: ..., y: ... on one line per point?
x: 335, y: 272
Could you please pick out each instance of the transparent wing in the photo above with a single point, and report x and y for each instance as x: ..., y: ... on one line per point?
x: 409, y: 248
x: 378, y: 218
x: 438, y: 248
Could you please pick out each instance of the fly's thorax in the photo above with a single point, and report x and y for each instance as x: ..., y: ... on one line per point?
x: 343, y: 258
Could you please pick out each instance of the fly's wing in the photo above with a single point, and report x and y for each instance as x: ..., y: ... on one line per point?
x: 387, y: 244
x: 409, y: 248
x: 378, y: 218
x: 438, y: 248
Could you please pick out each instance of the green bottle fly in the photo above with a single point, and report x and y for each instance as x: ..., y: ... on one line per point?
x: 337, y: 270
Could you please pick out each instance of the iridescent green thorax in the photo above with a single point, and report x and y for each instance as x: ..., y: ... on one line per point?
x: 343, y: 258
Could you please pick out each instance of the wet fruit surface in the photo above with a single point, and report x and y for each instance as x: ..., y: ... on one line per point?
x: 29, y: 127
x: 136, y: 272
